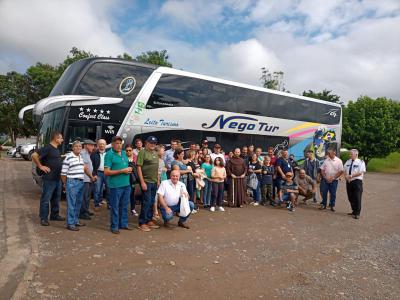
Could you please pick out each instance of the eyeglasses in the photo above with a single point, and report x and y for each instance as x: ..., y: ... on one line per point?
x: 128, y: 150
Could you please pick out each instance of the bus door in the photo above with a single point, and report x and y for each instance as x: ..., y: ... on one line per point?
x: 82, y: 130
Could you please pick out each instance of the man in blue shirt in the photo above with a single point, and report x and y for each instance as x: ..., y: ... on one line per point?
x: 282, y: 167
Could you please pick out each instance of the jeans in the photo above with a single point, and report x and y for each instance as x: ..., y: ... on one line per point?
x: 266, y: 193
x: 87, y: 191
x: 119, y: 201
x: 98, y: 188
x: 257, y: 193
x: 331, y: 188
x: 191, y: 186
x: 51, y: 193
x: 217, y: 193
x: 148, y: 198
x: 74, y: 189
x: 207, y: 192
x: 132, y: 198
x: 175, y: 208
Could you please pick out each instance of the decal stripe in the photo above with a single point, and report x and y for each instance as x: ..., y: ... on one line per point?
x: 301, y: 133
x: 302, y: 126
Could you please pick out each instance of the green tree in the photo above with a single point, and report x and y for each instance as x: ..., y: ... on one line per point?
x: 125, y: 56
x: 324, y: 95
x: 372, y: 126
x: 272, y: 80
x: 159, y: 58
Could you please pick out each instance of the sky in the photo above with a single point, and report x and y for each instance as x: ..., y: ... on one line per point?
x: 347, y: 46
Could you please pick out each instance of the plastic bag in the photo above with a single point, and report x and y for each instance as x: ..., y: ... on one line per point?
x: 252, y: 181
x: 184, y: 210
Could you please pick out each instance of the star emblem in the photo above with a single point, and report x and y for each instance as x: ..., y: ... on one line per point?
x: 95, y: 110
x: 88, y: 109
x: 101, y: 111
x: 108, y: 111
x: 81, y: 108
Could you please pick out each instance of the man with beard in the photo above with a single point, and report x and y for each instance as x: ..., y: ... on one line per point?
x: 236, y: 170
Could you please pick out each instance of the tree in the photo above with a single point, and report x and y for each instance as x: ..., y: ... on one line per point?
x: 324, y: 95
x: 159, y: 58
x: 273, y: 81
x: 372, y: 126
x: 125, y: 56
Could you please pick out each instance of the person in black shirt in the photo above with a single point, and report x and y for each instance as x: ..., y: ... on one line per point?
x: 255, y: 168
x: 49, y: 163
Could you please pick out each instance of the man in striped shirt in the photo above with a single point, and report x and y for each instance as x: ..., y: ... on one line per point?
x: 72, y: 175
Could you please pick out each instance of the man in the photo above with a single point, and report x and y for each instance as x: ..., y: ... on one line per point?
x: 49, y: 163
x: 147, y: 167
x: 97, y: 158
x: 289, y: 192
x: 139, y: 147
x: 354, y: 170
x: 283, y: 166
x: 331, y: 170
x: 271, y: 155
x: 294, y: 165
x: 72, y: 175
x: 311, y: 166
x: 217, y: 153
x: 88, y: 180
x: 250, y: 150
x: 204, y: 144
x: 117, y: 170
x: 236, y: 171
x: 169, y: 154
x: 260, y: 158
x: 307, y: 186
x: 169, y: 194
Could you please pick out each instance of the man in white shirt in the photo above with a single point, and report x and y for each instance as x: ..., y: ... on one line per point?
x: 354, y: 170
x: 217, y: 153
x: 169, y: 193
x: 97, y: 158
x: 331, y: 170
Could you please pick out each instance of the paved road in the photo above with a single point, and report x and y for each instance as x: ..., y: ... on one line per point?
x: 249, y: 253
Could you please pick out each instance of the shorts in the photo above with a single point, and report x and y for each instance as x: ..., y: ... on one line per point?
x: 285, y: 197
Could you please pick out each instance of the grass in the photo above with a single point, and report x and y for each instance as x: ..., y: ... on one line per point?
x: 389, y: 164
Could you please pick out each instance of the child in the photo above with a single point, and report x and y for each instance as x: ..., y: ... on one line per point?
x: 289, y: 192
x: 207, y: 167
x: 267, y: 173
x: 218, y: 175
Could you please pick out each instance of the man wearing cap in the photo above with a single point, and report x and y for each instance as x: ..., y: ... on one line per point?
x: 118, y: 172
x: 217, y: 153
x: 147, y: 167
x: 88, y: 180
x: 204, y: 144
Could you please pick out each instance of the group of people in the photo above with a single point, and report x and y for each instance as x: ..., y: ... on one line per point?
x: 166, y: 181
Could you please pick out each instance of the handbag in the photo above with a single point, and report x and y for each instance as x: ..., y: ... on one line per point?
x: 184, y: 209
x: 252, y: 181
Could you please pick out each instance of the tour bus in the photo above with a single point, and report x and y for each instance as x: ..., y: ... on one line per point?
x: 103, y: 97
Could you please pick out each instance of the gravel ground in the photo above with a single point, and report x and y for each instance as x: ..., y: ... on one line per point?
x: 248, y: 253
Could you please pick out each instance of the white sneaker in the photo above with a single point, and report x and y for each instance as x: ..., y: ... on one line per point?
x: 256, y: 204
x: 194, y: 211
x: 212, y: 208
x: 220, y: 208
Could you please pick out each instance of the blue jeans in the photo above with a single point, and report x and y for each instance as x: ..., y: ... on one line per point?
x: 257, y: 193
x: 148, y: 198
x: 51, y: 193
x: 175, y: 209
x: 331, y: 188
x: 74, y: 189
x: 87, y: 191
x: 98, y: 188
x: 207, y: 192
x: 119, y: 202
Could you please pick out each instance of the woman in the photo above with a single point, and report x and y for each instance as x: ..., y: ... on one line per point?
x: 218, y: 175
x: 133, y: 178
x: 256, y: 168
x: 202, y: 155
x: 178, y: 164
x: 191, y: 182
x: 207, y: 167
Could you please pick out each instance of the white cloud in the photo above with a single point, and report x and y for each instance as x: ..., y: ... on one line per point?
x: 45, y: 30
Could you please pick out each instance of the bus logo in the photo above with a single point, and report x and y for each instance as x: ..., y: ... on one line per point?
x: 240, y: 124
x: 332, y: 112
x: 127, y: 85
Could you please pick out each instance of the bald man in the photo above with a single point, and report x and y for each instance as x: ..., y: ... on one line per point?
x: 97, y: 158
x: 169, y: 193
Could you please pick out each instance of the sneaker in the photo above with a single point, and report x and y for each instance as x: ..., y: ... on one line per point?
x: 44, y: 223
x: 291, y: 208
x: 212, y: 208
x: 252, y: 203
x: 134, y: 213
x: 103, y: 202
x: 220, y: 208
x: 256, y: 204
x: 288, y: 205
x: 194, y: 211
x: 57, y: 218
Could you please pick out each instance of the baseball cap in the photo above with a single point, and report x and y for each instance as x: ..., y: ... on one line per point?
x: 205, y: 141
x: 152, y: 139
x: 116, y: 138
x: 217, y: 146
x: 88, y: 142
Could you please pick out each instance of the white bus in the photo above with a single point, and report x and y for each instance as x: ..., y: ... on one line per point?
x: 103, y: 97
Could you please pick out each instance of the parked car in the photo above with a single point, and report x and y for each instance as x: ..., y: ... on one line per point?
x: 27, y: 151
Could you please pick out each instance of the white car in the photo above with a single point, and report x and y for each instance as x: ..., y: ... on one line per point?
x: 27, y: 151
